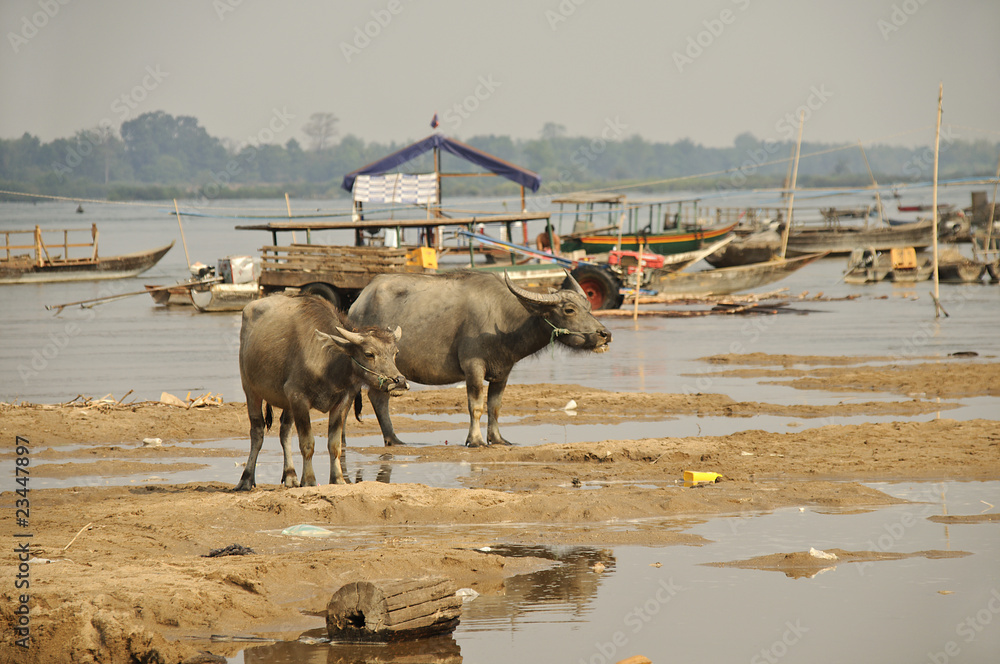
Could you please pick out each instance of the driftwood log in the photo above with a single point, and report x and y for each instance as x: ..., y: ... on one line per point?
x: 393, y: 609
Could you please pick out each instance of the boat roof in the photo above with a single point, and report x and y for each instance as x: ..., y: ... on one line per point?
x: 496, y: 165
x: 585, y: 198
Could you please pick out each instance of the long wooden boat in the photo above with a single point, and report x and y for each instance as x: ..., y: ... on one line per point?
x: 846, y: 239
x: 224, y: 297
x: 867, y: 266
x: 756, y: 248
x: 665, y: 243
x: 44, y: 264
x: 722, y: 281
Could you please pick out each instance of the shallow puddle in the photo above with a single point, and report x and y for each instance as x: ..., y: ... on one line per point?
x: 666, y: 604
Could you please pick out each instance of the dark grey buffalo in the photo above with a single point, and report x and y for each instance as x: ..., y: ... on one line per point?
x: 298, y: 353
x: 472, y: 326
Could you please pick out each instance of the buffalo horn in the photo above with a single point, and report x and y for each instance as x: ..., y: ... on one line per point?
x: 530, y: 296
x: 573, y: 285
x: 353, y: 337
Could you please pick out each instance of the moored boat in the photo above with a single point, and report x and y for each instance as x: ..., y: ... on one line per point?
x: 845, y: 239
x: 43, y: 264
x: 726, y: 280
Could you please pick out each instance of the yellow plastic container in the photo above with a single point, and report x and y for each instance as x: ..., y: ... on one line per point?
x: 425, y: 257
x: 698, y: 477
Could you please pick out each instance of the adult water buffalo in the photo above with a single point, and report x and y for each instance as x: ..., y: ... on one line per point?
x: 472, y: 326
x: 298, y: 353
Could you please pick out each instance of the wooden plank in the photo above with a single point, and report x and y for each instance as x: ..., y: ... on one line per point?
x: 393, y: 609
x: 486, y: 218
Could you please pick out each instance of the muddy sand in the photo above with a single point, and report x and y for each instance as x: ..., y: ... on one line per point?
x: 120, y: 573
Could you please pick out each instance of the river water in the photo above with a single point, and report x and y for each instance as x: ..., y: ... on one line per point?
x: 914, y: 610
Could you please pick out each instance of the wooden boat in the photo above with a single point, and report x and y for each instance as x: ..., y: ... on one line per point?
x: 759, y: 247
x: 224, y: 297
x: 844, y: 240
x: 170, y: 295
x: 953, y: 267
x: 722, y: 281
x: 665, y: 243
x: 867, y: 266
x: 45, y: 265
x: 907, y: 267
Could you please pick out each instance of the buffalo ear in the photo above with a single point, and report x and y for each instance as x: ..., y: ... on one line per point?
x: 331, y: 341
x: 398, y: 333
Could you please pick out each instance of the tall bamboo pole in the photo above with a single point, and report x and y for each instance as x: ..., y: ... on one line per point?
x: 878, y: 196
x: 989, y: 220
x: 791, y: 192
x: 183, y: 241
x: 938, y: 309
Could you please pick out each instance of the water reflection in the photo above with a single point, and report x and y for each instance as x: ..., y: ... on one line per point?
x: 568, y: 587
x: 436, y: 650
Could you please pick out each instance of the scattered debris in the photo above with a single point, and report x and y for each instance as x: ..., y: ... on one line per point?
x: 393, y: 609
x: 822, y: 555
x: 231, y: 550
x: 305, y: 530
x: 207, y: 399
x: 598, y: 567
x: 467, y: 594
x: 152, y: 442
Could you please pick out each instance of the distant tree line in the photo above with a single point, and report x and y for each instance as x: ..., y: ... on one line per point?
x: 157, y: 155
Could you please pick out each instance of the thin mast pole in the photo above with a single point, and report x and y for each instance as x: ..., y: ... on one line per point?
x: 938, y: 309
x: 791, y: 192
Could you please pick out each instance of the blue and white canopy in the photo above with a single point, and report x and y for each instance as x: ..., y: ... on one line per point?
x: 521, y: 176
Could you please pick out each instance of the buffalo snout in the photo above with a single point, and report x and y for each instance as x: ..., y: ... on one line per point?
x: 397, y: 386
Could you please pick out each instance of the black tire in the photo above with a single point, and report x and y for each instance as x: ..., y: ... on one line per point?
x: 325, y: 291
x: 600, y: 285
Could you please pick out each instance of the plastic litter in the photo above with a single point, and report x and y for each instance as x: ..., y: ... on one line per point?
x: 467, y: 594
x: 822, y: 555
x: 306, y: 530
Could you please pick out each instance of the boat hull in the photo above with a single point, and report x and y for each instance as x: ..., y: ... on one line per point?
x: 113, y: 267
x: 665, y: 244
x: 838, y: 241
x: 224, y: 297
x: 723, y: 281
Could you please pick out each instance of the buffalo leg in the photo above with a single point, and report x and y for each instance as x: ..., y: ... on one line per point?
x: 380, y: 404
x: 335, y: 439
x: 300, y: 414
x: 493, y: 400
x: 474, y: 376
x: 288, y: 476
x: 254, y: 410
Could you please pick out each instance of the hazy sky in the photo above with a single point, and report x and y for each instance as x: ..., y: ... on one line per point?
x: 665, y: 70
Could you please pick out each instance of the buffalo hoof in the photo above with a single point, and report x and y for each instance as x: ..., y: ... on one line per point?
x: 394, y: 443
x: 243, y: 486
x: 475, y: 443
x: 502, y: 441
